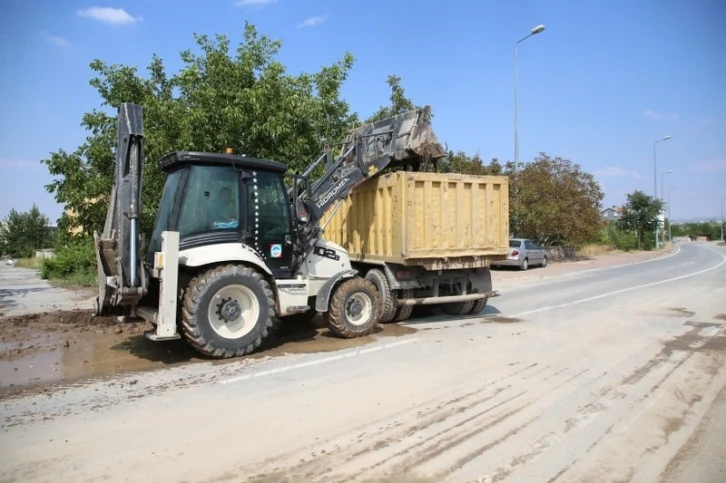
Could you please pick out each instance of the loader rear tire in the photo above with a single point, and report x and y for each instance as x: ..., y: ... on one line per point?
x: 403, y: 312
x: 227, y: 311
x: 388, y: 298
x: 355, y: 309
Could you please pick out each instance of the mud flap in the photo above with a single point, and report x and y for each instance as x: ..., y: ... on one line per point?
x: 322, y: 300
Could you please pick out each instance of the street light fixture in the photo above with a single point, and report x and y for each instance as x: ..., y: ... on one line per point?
x: 538, y: 29
x: 655, y: 182
x: 670, y: 221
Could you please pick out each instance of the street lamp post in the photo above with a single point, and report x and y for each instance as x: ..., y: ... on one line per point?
x: 662, y: 197
x: 538, y: 29
x: 655, y: 184
x: 722, y: 198
x: 670, y: 221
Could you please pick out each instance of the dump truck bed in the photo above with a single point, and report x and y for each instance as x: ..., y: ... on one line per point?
x: 434, y: 220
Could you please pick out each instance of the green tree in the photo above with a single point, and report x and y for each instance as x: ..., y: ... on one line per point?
x: 24, y: 232
x: 557, y: 204
x: 640, y: 214
x: 243, y: 99
x: 399, y: 102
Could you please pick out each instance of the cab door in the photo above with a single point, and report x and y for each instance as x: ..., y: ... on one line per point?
x: 269, y: 226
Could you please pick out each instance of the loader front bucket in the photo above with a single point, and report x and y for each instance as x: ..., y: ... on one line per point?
x: 407, y: 138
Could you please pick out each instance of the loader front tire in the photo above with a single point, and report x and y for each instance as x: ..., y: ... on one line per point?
x: 227, y: 311
x: 388, y: 298
x: 355, y: 309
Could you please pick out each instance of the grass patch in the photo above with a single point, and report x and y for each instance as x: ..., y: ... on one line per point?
x: 594, y: 250
x: 73, y: 266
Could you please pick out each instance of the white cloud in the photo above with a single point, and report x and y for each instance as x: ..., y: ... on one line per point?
x: 660, y: 116
x: 312, y: 22
x: 109, y: 15
x: 58, y: 41
x: 615, y: 172
x: 250, y: 3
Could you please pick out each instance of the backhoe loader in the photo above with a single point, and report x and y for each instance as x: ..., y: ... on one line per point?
x: 233, y: 249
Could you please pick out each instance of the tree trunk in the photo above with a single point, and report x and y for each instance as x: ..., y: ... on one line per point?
x: 640, y: 237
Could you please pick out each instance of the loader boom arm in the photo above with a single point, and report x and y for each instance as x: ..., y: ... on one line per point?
x: 404, y: 139
x: 122, y: 280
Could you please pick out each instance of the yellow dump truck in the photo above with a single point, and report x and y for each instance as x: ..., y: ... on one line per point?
x: 425, y: 238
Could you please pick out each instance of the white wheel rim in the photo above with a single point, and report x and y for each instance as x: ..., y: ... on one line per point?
x: 358, y: 309
x: 233, y: 311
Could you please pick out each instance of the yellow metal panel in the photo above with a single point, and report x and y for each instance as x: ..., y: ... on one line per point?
x: 414, y: 218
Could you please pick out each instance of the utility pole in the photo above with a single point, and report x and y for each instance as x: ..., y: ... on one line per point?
x: 662, y: 197
x: 670, y: 221
x: 538, y: 29
x: 655, y: 186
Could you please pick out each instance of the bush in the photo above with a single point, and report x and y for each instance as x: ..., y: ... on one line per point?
x: 618, y: 239
x: 74, y: 263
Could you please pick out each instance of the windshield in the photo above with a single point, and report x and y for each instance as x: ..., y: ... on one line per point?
x: 514, y: 243
x: 211, y: 200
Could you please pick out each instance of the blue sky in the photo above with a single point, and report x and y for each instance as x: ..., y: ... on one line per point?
x: 603, y: 82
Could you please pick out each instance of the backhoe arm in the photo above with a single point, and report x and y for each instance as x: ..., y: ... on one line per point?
x: 122, y: 280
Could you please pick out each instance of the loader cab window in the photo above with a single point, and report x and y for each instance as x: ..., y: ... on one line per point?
x: 210, y: 202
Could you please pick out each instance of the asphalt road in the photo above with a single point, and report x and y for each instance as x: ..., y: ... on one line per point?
x: 608, y: 375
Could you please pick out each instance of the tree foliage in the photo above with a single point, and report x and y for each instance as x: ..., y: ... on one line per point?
x: 399, y: 102
x: 640, y: 214
x: 557, y: 202
x: 24, y: 232
x: 243, y: 98
x: 693, y: 229
x: 220, y: 98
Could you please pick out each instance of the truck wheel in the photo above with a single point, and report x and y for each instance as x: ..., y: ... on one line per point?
x: 227, y: 311
x: 478, y: 306
x: 355, y: 309
x: 459, y: 308
x: 388, y: 300
x: 404, y: 312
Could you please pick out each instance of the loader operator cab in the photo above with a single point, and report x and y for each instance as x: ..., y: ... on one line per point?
x: 213, y: 199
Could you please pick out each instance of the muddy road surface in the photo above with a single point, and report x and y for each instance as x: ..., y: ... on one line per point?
x: 613, y: 374
x: 48, y: 336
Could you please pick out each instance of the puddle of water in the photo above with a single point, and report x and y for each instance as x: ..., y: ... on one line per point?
x: 25, y: 363
x: 79, y: 355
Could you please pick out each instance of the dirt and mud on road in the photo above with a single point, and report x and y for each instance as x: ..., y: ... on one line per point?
x: 40, y: 349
